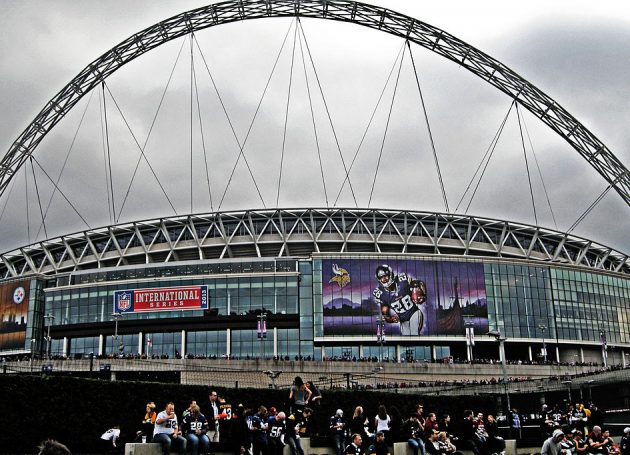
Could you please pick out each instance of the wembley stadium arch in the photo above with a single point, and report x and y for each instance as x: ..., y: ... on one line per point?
x: 319, y: 283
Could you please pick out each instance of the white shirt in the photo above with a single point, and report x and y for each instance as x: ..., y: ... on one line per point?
x: 166, y: 426
x: 382, y: 425
x: 111, y: 434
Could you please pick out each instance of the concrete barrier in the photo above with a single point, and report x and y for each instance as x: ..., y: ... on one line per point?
x: 149, y: 448
x: 154, y: 448
x: 310, y: 450
x: 510, y: 447
x: 402, y: 448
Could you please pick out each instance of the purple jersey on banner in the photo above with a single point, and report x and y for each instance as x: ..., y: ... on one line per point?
x: 397, y: 297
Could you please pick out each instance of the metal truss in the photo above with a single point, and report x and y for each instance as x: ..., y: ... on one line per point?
x: 425, y: 35
x: 303, y: 233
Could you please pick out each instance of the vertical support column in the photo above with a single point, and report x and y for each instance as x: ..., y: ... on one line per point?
x: 529, y: 353
x: 275, y: 341
x: 140, y: 343
x: 228, y: 342
x: 398, y: 353
x: 66, y: 347
x: 433, y: 352
x: 182, y: 350
x: 101, y: 343
x: 361, y: 350
x: 557, y: 354
x: 502, y: 357
x: 581, y: 354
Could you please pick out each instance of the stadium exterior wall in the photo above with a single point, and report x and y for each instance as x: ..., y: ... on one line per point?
x: 313, y: 275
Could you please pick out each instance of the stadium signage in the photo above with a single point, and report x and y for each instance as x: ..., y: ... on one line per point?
x: 161, y: 299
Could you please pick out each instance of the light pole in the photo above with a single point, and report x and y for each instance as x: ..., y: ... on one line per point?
x: 526, y: 307
x: 602, y: 340
x: 375, y: 372
x: 501, y: 340
x: 470, y: 338
x: 542, y: 326
x: 262, y: 332
x: 33, y: 341
x: 568, y: 383
x: 50, y: 318
x: 149, y: 345
x: 116, y: 317
x: 380, y: 335
x: 590, y: 391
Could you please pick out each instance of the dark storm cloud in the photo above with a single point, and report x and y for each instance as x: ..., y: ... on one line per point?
x: 581, y: 61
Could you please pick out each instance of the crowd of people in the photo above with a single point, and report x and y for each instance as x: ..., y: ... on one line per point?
x: 266, y: 430
x: 597, y: 441
x: 242, y: 430
x: 301, y: 358
x: 579, y: 429
x: 574, y: 430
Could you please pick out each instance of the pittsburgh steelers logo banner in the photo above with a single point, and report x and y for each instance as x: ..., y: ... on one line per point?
x: 161, y: 299
x: 13, y: 315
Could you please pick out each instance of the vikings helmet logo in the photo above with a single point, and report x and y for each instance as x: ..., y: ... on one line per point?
x: 342, y: 277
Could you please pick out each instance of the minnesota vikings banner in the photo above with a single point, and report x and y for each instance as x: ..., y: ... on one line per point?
x: 161, y: 299
x: 408, y: 297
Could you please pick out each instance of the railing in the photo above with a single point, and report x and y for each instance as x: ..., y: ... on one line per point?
x: 426, y: 378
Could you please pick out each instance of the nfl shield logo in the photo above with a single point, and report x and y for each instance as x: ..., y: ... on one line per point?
x: 124, y: 301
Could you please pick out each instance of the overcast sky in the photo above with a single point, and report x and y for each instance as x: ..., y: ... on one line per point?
x: 577, y: 52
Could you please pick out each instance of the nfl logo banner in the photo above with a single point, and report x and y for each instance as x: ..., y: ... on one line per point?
x: 161, y: 299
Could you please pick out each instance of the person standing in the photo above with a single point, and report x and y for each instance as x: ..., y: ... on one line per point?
x: 299, y: 394
x: 516, y: 423
x: 382, y: 421
x: 316, y: 397
x: 258, y: 430
x: 338, y: 431
x: 276, y: 432
x: 194, y: 428
x: 166, y: 431
x: 292, y: 437
x: 413, y: 430
x: 359, y: 425
x: 309, y: 426
x: 240, y: 438
x: 225, y: 415
x: 213, y: 417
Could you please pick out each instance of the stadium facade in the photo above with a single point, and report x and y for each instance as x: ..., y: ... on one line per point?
x: 304, y: 283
